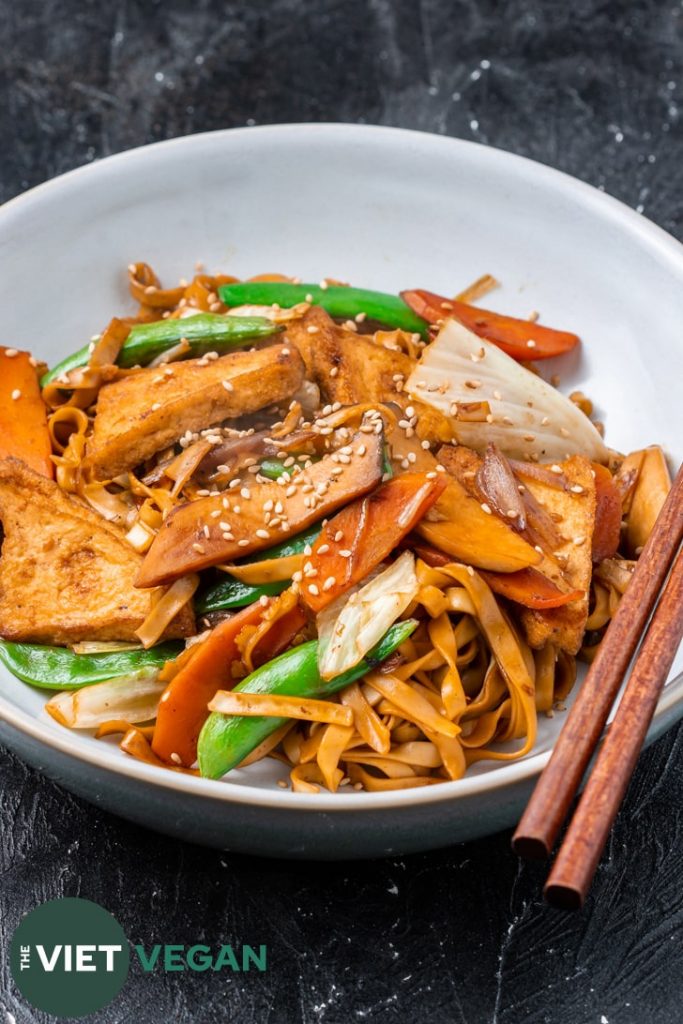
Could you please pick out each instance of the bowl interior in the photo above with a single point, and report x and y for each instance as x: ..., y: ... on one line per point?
x: 379, y: 207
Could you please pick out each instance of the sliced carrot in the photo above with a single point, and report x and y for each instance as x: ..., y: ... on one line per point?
x: 183, y: 705
x: 530, y: 588
x: 356, y: 540
x: 521, y: 339
x: 23, y: 415
x: 527, y: 587
x: 607, y: 531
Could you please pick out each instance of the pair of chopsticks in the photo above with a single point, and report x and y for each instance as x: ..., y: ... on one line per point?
x: 585, y: 838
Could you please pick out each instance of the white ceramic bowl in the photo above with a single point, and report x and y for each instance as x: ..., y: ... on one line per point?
x: 386, y: 209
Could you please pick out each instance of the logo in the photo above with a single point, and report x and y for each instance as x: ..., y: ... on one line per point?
x: 69, y: 957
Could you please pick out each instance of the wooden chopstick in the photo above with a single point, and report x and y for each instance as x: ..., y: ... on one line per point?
x: 557, y: 786
x: 585, y: 838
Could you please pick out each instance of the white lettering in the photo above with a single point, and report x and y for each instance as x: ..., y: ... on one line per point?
x: 109, y: 953
x: 84, y: 958
x: 51, y: 963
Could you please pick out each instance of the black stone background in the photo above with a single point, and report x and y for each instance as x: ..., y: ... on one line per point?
x: 461, y: 935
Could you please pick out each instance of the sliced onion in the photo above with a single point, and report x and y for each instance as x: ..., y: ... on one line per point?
x: 273, y: 313
x: 178, y: 351
x: 350, y: 626
x: 104, y: 646
x: 498, y: 485
x: 166, y: 609
x: 111, y: 507
x: 140, y: 537
x: 184, y: 465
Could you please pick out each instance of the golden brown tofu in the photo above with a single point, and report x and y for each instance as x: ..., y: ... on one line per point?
x: 564, y: 627
x: 347, y: 367
x: 66, y: 575
x: 141, y: 414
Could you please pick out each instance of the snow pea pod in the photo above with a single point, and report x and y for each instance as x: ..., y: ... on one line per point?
x: 225, y: 740
x: 340, y: 301
x: 205, y: 332
x: 58, y: 668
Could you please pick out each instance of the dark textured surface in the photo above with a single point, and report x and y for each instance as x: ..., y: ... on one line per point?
x: 459, y: 936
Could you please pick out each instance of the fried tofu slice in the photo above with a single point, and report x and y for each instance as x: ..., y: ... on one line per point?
x: 150, y: 410
x: 66, y: 575
x: 573, y: 512
x: 347, y: 367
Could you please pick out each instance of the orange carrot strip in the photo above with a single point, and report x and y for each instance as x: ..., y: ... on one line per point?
x: 356, y: 540
x: 183, y: 705
x: 23, y: 416
x: 521, y: 339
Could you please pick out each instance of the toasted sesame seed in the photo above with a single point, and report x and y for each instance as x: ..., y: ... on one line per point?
x: 227, y: 535
x: 312, y: 329
x: 198, y: 548
x: 245, y: 493
x: 16, y: 394
x: 227, y: 385
x: 431, y: 475
x: 285, y: 351
x: 576, y: 488
x: 497, y: 395
x: 155, y: 406
x: 360, y: 317
x: 11, y: 352
x: 312, y: 589
x: 470, y: 570
x: 263, y: 534
x: 308, y: 297
x: 324, y: 285
x: 242, y: 543
x: 345, y: 553
x: 531, y: 343
x: 486, y: 508
x: 308, y: 550
x: 339, y: 535
x: 329, y: 583
x: 564, y: 432
x: 473, y: 384
x: 529, y: 437
x: 282, y: 784
x: 579, y: 541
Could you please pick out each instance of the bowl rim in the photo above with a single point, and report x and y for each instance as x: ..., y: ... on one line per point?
x: 102, y: 756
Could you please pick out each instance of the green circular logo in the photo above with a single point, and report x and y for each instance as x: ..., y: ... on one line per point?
x: 69, y: 957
